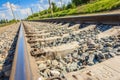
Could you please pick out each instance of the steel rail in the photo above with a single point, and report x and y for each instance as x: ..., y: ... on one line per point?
x: 21, y: 67
x: 102, y: 18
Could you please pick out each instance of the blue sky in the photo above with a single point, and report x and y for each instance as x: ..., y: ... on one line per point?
x: 22, y: 9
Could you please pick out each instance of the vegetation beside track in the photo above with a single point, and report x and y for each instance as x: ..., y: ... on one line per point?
x: 6, y: 22
x: 94, y: 6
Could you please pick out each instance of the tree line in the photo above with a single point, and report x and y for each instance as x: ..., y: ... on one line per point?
x: 3, y: 21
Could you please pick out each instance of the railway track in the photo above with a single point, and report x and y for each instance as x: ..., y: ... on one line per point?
x: 62, y: 48
x: 21, y: 66
x: 56, y: 49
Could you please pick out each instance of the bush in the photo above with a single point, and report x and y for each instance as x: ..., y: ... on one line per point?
x: 70, y: 6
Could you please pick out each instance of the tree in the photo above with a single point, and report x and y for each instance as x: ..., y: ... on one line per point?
x: 2, y: 21
x: 50, y: 6
x: 54, y: 7
x: 64, y: 7
x: 6, y: 20
x: 86, y: 1
x: 70, y: 5
x: 79, y: 2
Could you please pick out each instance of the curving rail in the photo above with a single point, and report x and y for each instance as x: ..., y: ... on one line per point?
x: 21, y: 68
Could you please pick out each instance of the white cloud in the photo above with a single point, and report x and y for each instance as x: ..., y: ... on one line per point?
x: 46, y: 6
x: 58, y: 4
x: 43, y: 4
x: 39, y: 6
x: 8, y: 14
x: 2, y: 15
x: 7, y: 5
x: 25, y: 11
x: 41, y: 1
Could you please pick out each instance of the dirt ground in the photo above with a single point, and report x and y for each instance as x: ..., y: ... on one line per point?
x: 2, y: 29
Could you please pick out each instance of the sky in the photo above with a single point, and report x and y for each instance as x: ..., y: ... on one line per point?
x: 22, y: 8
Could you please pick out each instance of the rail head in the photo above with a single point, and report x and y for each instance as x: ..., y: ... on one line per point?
x: 21, y: 68
x: 102, y: 18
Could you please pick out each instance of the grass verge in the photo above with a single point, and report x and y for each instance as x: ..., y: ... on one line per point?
x: 95, y: 7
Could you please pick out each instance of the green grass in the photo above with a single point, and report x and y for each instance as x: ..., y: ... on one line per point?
x: 99, y: 6
x: 9, y: 23
x: 2, y: 25
x: 57, y: 14
x: 94, y: 7
x: 5, y: 24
